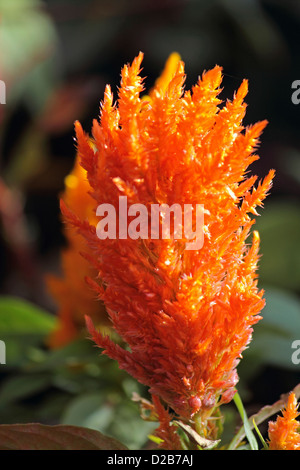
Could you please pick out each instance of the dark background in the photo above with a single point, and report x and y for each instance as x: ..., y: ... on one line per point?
x: 57, y: 56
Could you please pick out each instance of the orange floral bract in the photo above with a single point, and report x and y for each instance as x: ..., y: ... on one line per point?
x: 284, y: 433
x: 186, y: 316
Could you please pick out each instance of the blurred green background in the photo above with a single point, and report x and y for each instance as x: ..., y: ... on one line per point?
x: 55, y: 59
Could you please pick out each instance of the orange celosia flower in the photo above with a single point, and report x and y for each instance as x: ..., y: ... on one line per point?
x: 186, y: 315
x: 284, y: 433
x: 70, y: 291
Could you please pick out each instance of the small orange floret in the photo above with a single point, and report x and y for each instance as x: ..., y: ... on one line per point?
x: 186, y: 315
x: 284, y: 433
x: 168, y: 73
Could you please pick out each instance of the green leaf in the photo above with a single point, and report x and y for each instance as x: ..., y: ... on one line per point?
x: 84, y: 411
x: 260, y: 436
x: 28, y: 69
x: 21, y: 349
x: 108, y: 411
x: 22, y: 386
x: 23, y: 317
x: 41, y: 437
x: 207, y: 444
x: 127, y: 416
x: 274, y: 334
x: 74, y: 353
x: 279, y: 229
x: 155, y: 439
x: 248, y: 431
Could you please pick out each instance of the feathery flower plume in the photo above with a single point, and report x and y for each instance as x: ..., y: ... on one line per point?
x: 284, y: 433
x: 70, y: 291
x: 186, y: 315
